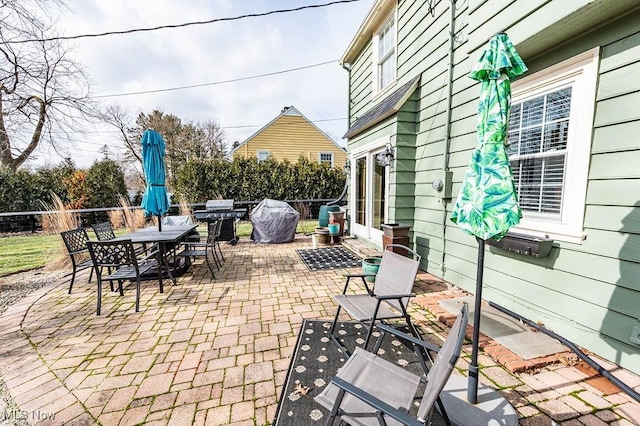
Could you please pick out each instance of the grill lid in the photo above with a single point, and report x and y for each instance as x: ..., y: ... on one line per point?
x: 212, y: 205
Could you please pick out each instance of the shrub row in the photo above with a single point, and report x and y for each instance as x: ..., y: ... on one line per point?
x: 99, y: 186
x: 245, y: 179
x: 249, y: 179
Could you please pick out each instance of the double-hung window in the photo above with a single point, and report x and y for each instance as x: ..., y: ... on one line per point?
x: 326, y: 158
x: 384, y: 53
x: 549, y: 140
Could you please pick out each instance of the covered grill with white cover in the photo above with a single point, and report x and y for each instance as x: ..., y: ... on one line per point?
x: 274, y: 222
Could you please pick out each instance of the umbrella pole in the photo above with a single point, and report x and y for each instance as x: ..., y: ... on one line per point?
x: 492, y: 408
x: 159, y: 223
x: 472, y: 389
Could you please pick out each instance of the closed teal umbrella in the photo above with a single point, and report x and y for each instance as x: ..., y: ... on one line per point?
x: 487, y: 205
x: 155, y: 200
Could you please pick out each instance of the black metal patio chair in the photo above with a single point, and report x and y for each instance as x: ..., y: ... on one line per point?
x: 204, y: 249
x: 216, y: 228
x: 120, y: 260
x: 75, y: 241
x: 103, y: 231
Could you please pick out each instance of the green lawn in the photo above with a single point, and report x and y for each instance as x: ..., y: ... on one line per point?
x: 23, y: 253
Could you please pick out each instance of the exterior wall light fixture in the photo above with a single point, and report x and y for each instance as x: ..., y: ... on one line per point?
x: 387, y: 155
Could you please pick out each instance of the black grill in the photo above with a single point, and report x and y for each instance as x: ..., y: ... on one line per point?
x: 224, y: 214
x: 222, y: 209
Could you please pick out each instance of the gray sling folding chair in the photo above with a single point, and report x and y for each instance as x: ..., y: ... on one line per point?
x: 370, y: 391
x: 389, y: 297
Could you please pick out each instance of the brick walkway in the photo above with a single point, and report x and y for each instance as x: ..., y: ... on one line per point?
x: 216, y: 352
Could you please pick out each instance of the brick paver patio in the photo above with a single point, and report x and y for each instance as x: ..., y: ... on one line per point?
x: 216, y: 352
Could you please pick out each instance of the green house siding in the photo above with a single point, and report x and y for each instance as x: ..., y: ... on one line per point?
x: 588, y: 292
x: 360, y: 84
x: 401, y: 204
x: 596, y: 278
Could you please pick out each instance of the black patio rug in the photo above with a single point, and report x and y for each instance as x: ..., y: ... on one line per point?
x: 316, y: 360
x: 328, y: 258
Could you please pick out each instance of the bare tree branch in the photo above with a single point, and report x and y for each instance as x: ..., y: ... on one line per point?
x: 44, y: 93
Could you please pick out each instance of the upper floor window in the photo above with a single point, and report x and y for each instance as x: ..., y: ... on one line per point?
x: 384, y: 54
x: 327, y: 158
x: 262, y: 155
x: 549, y: 142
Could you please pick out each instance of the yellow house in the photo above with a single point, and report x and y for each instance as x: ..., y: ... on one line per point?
x: 291, y: 135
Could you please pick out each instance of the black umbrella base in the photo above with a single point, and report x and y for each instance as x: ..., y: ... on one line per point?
x: 491, y: 409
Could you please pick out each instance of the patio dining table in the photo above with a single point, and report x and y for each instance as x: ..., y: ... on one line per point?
x: 169, y: 236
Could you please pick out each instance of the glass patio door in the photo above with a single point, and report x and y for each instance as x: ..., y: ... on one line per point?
x: 369, y: 195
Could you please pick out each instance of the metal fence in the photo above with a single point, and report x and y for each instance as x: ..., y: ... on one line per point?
x: 32, y: 221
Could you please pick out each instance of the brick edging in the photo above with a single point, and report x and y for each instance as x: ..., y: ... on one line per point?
x: 499, y: 353
x: 21, y: 364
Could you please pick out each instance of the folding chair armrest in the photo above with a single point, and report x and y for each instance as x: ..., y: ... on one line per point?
x: 358, y: 275
x: 393, y: 296
x: 408, y: 337
x: 363, y: 276
x: 375, y: 402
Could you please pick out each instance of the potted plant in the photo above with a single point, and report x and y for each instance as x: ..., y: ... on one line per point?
x: 370, y: 265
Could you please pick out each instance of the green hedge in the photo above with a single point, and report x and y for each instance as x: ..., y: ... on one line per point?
x: 244, y: 179
x: 24, y: 190
x: 249, y: 179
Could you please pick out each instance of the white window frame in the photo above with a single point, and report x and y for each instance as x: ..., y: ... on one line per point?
x: 261, y: 152
x: 375, y: 84
x: 370, y: 151
x: 320, y: 154
x: 581, y: 72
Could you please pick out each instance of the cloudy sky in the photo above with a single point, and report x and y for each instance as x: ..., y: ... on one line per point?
x: 216, y: 52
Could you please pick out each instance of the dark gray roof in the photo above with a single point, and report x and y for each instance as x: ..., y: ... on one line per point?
x: 386, y: 108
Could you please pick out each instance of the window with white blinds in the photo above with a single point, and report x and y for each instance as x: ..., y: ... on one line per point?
x: 549, y: 145
x: 538, y: 134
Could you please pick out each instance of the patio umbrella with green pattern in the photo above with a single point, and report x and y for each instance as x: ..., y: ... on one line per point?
x: 487, y: 205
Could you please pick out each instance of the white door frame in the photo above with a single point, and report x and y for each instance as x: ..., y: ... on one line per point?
x: 367, y: 231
